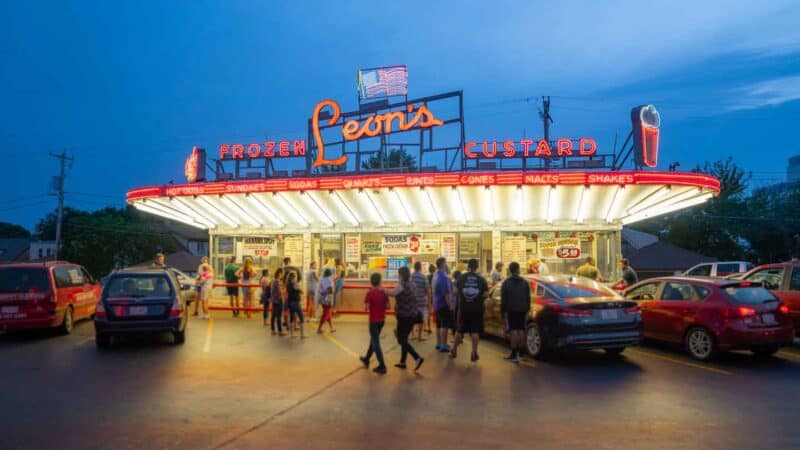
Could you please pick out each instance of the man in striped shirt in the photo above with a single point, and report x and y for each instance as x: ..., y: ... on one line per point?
x: 423, y: 294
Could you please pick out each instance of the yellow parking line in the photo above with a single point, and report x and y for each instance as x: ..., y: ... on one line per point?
x: 678, y: 361
x: 337, y: 343
x: 209, y: 332
x: 790, y: 355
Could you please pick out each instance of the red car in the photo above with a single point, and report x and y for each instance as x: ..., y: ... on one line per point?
x: 46, y: 295
x: 708, y: 315
x: 783, y: 280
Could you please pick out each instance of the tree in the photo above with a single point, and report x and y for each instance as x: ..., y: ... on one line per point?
x: 11, y: 230
x: 397, y: 157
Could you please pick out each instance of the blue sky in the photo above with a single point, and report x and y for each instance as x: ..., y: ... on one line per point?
x: 129, y: 87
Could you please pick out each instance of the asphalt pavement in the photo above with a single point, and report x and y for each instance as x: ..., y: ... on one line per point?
x: 233, y: 386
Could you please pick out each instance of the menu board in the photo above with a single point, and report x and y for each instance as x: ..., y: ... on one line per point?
x: 372, y: 246
x: 352, y: 248
x: 449, y: 247
x: 468, y: 248
x: 548, y: 248
x: 514, y: 249
x: 293, y: 248
x: 430, y: 246
x: 400, y: 244
x: 258, y: 247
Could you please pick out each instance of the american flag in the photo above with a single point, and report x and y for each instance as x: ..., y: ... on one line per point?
x: 383, y: 82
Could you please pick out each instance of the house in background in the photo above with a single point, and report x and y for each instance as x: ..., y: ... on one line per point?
x: 194, y: 240
x: 13, y: 249
x: 42, y: 250
x: 652, y: 258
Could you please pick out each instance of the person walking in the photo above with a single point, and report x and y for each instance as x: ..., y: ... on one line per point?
x: 312, y: 285
x: 247, y: 273
x: 442, y: 304
x: 431, y: 276
x: 377, y: 302
x: 338, y: 285
x: 325, y: 299
x: 422, y: 291
x: 276, y: 298
x: 405, y: 310
x: 206, y: 285
x: 293, y: 296
x: 515, y: 302
x: 233, y: 291
x: 471, y: 290
x: 266, y: 290
x: 589, y: 270
x: 629, y: 276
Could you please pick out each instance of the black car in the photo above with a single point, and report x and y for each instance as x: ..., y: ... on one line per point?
x: 138, y: 301
x: 571, y: 312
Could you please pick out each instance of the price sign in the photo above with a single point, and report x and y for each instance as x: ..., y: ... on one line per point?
x: 568, y: 252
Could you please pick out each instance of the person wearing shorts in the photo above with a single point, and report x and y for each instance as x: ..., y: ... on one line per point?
x: 515, y: 303
x: 422, y: 291
x: 471, y: 291
x: 233, y: 291
x: 443, y: 305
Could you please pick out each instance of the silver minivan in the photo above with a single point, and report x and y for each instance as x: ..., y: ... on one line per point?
x: 718, y: 269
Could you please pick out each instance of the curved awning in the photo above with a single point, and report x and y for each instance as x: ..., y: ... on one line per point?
x: 477, y: 200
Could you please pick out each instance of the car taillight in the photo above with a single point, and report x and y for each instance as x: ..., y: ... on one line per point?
x: 100, y: 310
x: 571, y: 312
x: 783, y: 309
x: 176, y: 308
x: 744, y: 311
x: 632, y: 310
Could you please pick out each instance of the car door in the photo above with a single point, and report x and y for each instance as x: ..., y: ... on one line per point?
x: 790, y: 295
x: 645, y: 296
x: 678, y: 306
x: 91, y: 293
x: 69, y: 286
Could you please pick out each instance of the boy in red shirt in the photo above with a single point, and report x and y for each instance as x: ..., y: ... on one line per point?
x: 376, y: 302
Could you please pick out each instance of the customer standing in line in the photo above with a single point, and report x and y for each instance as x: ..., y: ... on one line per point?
x: 293, y: 295
x: 198, y: 283
x: 233, y: 291
x: 471, y: 290
x: 497, y: 274
x: 442, y: 304
x: 515, y: 302
x: 276, y: 297
x: 338, y: 285
x: 376, y: 302
x: 423, y: 293
x: 247, y: 273
x: 266, y: 290
x: 325, y: 295
x: 312, y: 285
x: 431, y: 277
x: 206, y: 278
x: 589, y: 270
x: 405, y: 310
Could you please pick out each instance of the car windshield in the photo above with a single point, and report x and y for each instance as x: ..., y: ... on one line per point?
x: 578, y: 287
x: 749, y: 294
x: 137, y: 286
x: 17, y: 280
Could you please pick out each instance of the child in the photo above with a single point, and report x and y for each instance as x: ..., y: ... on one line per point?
x: 265, y: 293
x: 206, y: 284
x: 376, y: 302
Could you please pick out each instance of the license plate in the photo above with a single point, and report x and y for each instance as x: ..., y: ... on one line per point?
x: 9, y: 309
x: 137, y: 310
x: 768, y: 319
x: 607, y: 314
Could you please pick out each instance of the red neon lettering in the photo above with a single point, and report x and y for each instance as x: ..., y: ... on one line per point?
x: 269, y: 148
x: 253, y: 150
x: 468, y: 150
x: 543, y: 149
x: 526, y: 144
x: 587, y: 147
x: 486, y: 151
x: 564, y: 147
x: 223, y: 150
x: 283, y: 148
x: 508, y: 149
x: 238, y: 151
x: 335, y: 112
x: 300, y: 148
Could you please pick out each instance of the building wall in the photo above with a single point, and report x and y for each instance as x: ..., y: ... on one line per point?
x: 42, y: 250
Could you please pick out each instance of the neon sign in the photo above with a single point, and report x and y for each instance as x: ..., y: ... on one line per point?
x: 269, y: 149
x: 528, y: 147
x: 645, y: 122
x: 194, y: 169
x: 373, y: 126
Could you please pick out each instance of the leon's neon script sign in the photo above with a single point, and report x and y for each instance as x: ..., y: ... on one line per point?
x: 373, y: 126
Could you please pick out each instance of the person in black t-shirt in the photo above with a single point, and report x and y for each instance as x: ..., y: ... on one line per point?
x: 471, y: 291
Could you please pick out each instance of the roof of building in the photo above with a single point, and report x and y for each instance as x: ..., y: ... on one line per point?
x: 638, y: 239
x: 12, y: 248
x: 181, y: 260
x: 663, y: 256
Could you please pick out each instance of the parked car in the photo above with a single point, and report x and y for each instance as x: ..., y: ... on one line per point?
x: 570, y: 312
x: 139, y: 301
x: 54, y: 294
x: 718, y: 269
x: 710, y: 315
x: 783, y: 280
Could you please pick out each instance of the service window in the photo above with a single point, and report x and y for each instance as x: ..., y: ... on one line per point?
x: 771, y: 278
x: 703, y: 270
x: 643, y: 292
x: 794, y: 283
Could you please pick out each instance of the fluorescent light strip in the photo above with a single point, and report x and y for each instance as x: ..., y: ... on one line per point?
x: 426, y: 197
x: 379, y: 217
x: 314, y: 206
x: 649, y: 200
x: 614, y: 202
x: 520, y: 205
x: 487, y: 194
x: 286, y: 205
x: 687, y: 194
x: 582, y: 204
x: 259, y: 203
x: 179, y: 218
x: 169, y: 211
x: 402, y: 205
x: 459, y: 203
x: 192, y: 212
x: 343, y: 206
x: 674, y: 207
x: 237, y: 210
x: 550, y: 205
x: 214, y: 211
x: 168, y: 207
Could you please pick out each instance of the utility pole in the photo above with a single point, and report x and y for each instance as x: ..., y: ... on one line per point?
x: 59, y: 187
x: 547, y: 119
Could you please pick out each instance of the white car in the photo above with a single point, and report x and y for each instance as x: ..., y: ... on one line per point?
x: 718, y: 269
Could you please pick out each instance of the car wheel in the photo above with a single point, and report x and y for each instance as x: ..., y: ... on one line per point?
x: 765, y: 351
x: 179, y: 337
x: 534, y: 341
x: 102, y: 340
x: 614, y: 350
x: 68, y: 323
x: 700, y: 344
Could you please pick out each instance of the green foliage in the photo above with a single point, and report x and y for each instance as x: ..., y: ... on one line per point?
x: 11, y: 230
x: 397, y: 157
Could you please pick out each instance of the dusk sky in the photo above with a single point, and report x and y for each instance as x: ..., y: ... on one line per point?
x: 129, y: 87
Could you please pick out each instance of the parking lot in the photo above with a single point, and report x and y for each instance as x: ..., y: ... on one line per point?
x: 232, y: 386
